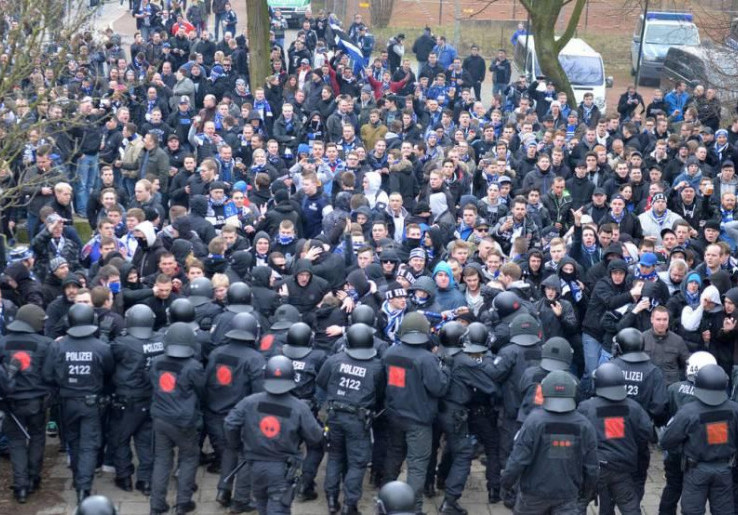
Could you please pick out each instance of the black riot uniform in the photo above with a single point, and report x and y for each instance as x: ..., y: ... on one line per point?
x: 470, y: 370
x: 271, y: 342
x: 506, y: 306
x: 644, y: 382
x: 270, y: 426
x: 556, y: 354
x: 235, y: 370
x: 306, y: 362
x: 80, y: 365
x: 555, y: 454
x: 415, y: 381
x: 239, y: 301
x: 707, y: 432
x: 130, y: 417
x: 362, y: 314
x: 206, y: 311
x: 679, y: 394
x: 23, y: 350
x: 182, y: 310
x: 178, y: 382
x: 523, y: 351
x: 623, y: 427
x: 354, y: 383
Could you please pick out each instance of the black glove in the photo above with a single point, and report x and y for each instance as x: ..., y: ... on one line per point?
x: 507, y: 481
x: 12, y: 368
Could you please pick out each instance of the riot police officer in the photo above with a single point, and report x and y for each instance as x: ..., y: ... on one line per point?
x: 555, y: 453
x: 130, y: 416
x: 354, y: 383
x: 707, y: 432
x: 239, y: 301
x: 271, y: 341
x: 362, y: 314
x: 271, y: 426
x: 679, y: 394
x: 644, y: 382
x: 201, y: 297
x: 80, y: 365
x: 306, y: 362
x: 235, y: 370
x: 178, y: 382
x: 523, y: 351
x: 469, y: 371
x: 483, y: 414
x: 556, y: 354
x: 622, y: 427
x: 183, y: 311
x: 396, y: 498
x: 506, y: 306
x: 96, y: 505
x: 23, y: 351
x: 415, y: 382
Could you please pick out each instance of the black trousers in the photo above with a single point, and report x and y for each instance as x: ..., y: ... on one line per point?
x: 132, y: 420
x: 166, y: 437
x: 26, y: 456
x: 83, y: 430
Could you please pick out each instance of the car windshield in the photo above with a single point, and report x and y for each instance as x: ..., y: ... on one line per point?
x: 582, y: 71
x: 672, y: 35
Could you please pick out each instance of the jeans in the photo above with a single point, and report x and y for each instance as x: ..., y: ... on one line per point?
x: 499, y: 89
x: 88, y: 171
x: 32, y: 225
x: 592, y: 351
x: 219, y: 19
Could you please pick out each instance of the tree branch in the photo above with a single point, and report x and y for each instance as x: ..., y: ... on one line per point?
x: 571, y: 27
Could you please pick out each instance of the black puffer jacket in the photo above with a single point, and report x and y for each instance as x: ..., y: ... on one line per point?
x: 264, y: 299
x: 198, y: 210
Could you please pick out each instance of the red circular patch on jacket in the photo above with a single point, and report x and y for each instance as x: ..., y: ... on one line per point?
x: 24, y: 358
x: 270, y: 426
x: 266, y: 342
x: 167, y: 382
x: 224, y: 375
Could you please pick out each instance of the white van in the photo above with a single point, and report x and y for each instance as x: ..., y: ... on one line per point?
x: 581, y: 63
x: 663, y: 30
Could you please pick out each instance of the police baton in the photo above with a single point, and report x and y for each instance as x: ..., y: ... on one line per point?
x: 18, y: 423
x: 235, y: 471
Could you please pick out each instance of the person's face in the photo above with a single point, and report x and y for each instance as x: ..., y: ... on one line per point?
x: 712, y: 257
x: 142, y: 194
x: 588, y: 237
x: 518, y: 211
x: 364, y: 259
x: 64, y: 197
x: 557, y: 253
x: 617, y: 276
x: 62, y: 271
x: 107, y: 230
x: 107, y: 249
x: 659, y: 206
x: 303, y: 278
x: 435, y: 181
x: 309, y: 187
x: 83, y: 298
x: 442, y: 280
x: 729, y: 201
x: 660, y: 322
x: 262, y: 246
x: 617, y: 206
x: 669, y: 240
x: 163, y: 290
x: 70, y: 292
x: 168, y: 266
x: 461, y: 255
x: 379, y: 231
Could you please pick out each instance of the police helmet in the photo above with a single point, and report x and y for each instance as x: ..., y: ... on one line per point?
x: 29, y: 319
x: 182, y: 310
x: 711, y: 384
x: 201, y: 291
x: 96, y: 505
x: 475, y: 339
x: 506, y: 303
x: 609, y: 382
x: 360, y: 342
x: 239, y: 298
x: 179, y: 341
x: 698, y: 360
x: 363, y: 314
x: 140, y: 321
x: 525, y: 330
x: 559, y: 388
x: 556, y: 354
x: 396, y: 497
x: 81, y: 321
x: 299, y: 341
x: 414, y: 329
x: 279, y: 375
x: 285, y: 317
x: 628, y: 344
x: 243, y: 327
x: 451, y: 336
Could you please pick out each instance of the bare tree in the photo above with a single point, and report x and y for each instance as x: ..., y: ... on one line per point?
x: 381, y: 11
x: 259, y: 49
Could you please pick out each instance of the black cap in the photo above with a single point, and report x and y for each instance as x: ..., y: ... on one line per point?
x: 599, y: 191
x: 712, y: 224
x: 727, y: 164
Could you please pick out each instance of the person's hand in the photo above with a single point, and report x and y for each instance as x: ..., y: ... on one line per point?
x: 508, y: 224
x: 636, y: 290
x: 557, y: 308
x: 176, y: 284
x: 341, y: 294
x: 46, y: 191
x: 577, y: 216
x: 313, y: 253
x: 728, y: 324
x: 11, y: 225
x: 348, y: 305
x: 283, y: 291
x: 333, y: 330
x: 642, y: 305
x: 187, y: 189
x: 706, y: 336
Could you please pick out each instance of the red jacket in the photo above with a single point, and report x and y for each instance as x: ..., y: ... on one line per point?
x: 393, y: 86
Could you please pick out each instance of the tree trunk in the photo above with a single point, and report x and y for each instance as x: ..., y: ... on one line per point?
x: 259, y: 48
x: 381, y: 11
x: 543, y: 16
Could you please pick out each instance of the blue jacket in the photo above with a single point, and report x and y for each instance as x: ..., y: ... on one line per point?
x: 445, y: 55
x: 676, y: 101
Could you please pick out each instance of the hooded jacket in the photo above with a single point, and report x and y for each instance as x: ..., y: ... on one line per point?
x: 402, y: 180
x: 566, y: 325
x: 198, y: 212
x: 305, y: 298
x: 606, y: 296
x: 428, y: 285
x: 450, y: 297
x: 146, y: 257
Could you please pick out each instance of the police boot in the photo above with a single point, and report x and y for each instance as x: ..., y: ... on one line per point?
x: 451, y: 506
x: 144, y: 487
x: 214, y: 467
x: 333, y: 505
x: 429, y: 490
x: 350, y: 510
x: 493, y: 496
x: 35, y: 485
x: 306, y: 493
x: 82, y: 495
x: 509, y: 499
x: 21, y: 495
x: 124, y: 483
x: 186, y: 507
x: 242, y: 507
x: 223, y: 497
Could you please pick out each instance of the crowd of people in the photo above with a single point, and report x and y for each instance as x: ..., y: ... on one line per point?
x: 363, y: 261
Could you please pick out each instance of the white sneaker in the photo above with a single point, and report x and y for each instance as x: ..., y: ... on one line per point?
x: 108, y: 468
